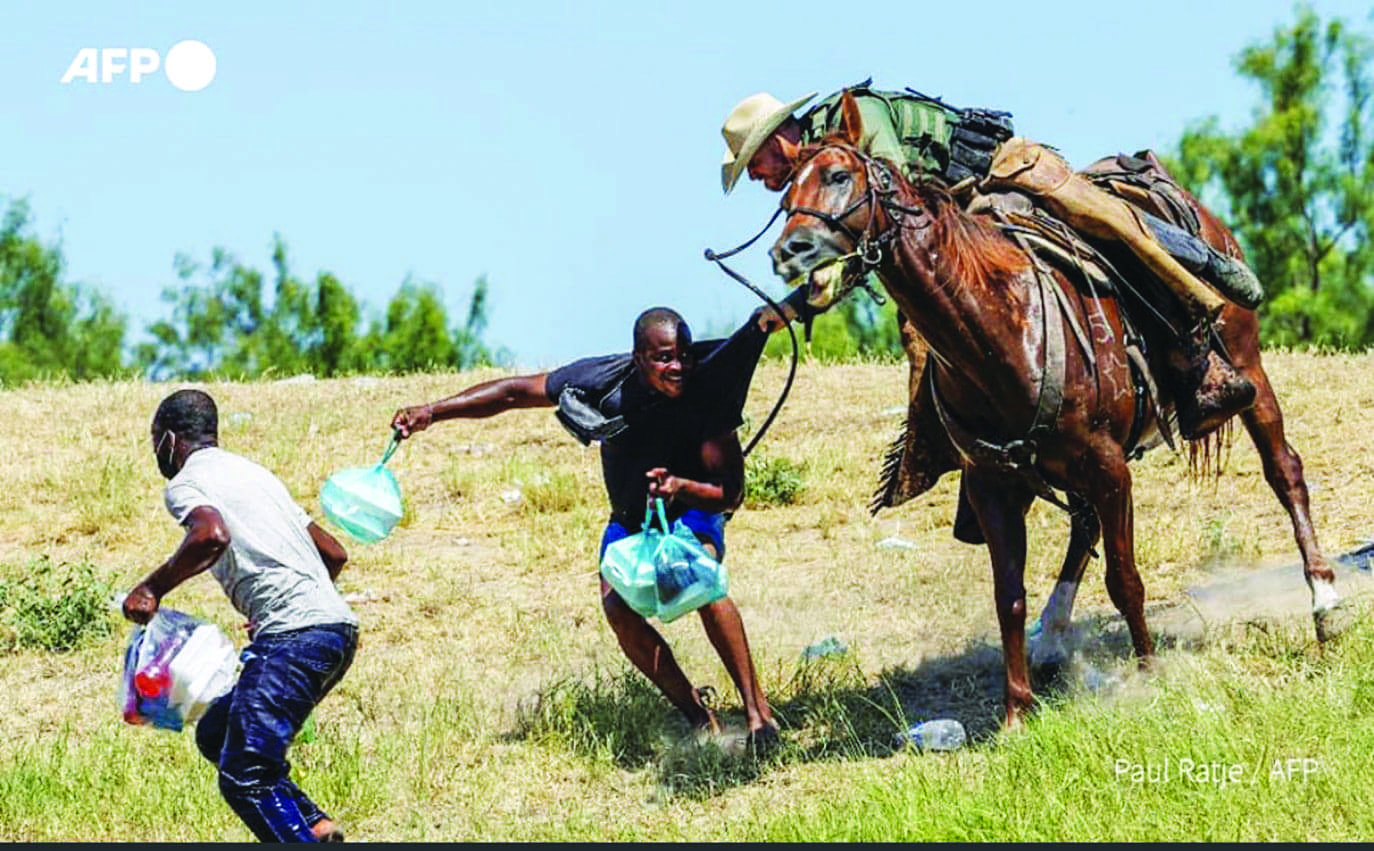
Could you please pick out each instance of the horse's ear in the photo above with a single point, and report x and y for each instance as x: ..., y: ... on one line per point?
x: 851, y: 127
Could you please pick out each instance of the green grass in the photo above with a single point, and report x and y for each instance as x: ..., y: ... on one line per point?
x: 1262, y: 741
x: 1280, y: 739
x: 489, y: 700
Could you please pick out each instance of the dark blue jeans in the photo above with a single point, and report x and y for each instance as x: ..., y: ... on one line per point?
x: 247, y: 731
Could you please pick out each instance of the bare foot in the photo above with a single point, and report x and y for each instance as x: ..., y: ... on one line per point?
x: 326, y: 830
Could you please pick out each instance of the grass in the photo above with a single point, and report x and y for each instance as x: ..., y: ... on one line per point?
x: 489, y: 701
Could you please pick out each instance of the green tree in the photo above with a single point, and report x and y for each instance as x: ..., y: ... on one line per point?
x: 48, y: 326
x: 222, y: 324
x: 857, y: 328
x: 1297, y: 185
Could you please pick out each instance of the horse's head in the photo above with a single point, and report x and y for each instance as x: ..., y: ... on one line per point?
x: 833, y: 210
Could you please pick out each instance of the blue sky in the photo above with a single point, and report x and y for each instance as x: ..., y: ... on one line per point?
x: 570, y: 152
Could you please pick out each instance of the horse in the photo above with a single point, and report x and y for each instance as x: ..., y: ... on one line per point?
x: 1031, y: 408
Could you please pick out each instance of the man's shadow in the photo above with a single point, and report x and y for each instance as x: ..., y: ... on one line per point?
x: 830, y: 709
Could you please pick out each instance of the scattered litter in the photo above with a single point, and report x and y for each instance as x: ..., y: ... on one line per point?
x: 1360, y: 559
x: 511, y: 496
x: 941, y: 734
x: 476, y: 449
x: 238, y: 419
x: 895, y: 410
x: 893, y: 542
x: 1099, y: 681
x: 358, y: 598
x: 463, y: 542
x: 829, y: 646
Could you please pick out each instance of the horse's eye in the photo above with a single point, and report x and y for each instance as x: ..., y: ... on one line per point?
x: 839, y: 178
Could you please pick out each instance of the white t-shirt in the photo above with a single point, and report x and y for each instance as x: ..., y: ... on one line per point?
x: 271, y: 570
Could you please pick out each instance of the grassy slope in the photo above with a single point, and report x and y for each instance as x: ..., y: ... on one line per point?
x: 489, y: 700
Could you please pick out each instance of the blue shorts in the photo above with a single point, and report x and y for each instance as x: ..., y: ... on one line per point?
x: 710, y: 527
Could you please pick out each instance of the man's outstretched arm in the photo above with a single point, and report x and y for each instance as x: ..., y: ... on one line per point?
x: 480, y: 400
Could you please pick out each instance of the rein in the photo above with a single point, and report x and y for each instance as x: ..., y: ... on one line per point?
x: 719, y: 260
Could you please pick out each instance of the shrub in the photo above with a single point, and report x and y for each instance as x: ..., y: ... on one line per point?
x: 52, y: 607
x: 771, y: 481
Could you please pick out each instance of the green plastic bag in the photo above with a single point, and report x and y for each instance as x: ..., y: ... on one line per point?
x: 663, y: 571
x: 365, y: 502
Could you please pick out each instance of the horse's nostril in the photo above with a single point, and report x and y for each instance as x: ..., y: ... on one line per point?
x: 798, y: 247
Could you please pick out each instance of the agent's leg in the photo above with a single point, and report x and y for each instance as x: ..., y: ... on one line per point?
x: 1208, y: 391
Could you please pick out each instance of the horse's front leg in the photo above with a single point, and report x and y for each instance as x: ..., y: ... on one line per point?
x: 1000, y: 503
x: 1107, y: 479
x: 1049, y: 639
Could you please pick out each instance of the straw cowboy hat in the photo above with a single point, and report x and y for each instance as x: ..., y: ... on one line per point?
x: 746, y: 127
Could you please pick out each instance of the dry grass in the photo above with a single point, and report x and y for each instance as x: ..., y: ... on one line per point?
x: 479, y: 602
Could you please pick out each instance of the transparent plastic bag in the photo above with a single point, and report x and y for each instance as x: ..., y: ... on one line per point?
x: 175, y: 666
x: 365, y: 502
x: 663, y: 571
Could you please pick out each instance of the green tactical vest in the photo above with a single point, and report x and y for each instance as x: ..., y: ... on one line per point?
x: 917, y: 133
x: 911, y: 132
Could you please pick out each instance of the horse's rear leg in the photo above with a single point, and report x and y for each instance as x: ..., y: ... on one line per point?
x: 1049, y: 640
x: 1001, y: 505
x: 1109, y: 489
x: 1283, y: 472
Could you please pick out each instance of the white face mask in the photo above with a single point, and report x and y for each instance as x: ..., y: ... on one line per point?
x: 166, y: 467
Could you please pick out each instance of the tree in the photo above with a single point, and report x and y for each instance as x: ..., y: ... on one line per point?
x: 1298, y: 184
x: 857, y: 328
x: 221, y: 324
x: 50, y: 327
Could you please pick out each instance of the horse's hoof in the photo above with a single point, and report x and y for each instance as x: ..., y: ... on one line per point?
x: 1333, y: 621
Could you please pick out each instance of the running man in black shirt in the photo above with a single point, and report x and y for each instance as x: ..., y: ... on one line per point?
x: 665, y: 416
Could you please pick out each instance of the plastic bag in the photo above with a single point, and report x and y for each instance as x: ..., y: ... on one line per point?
x: 663, y: 572
x: 365, y: 502
x: 175, y: 666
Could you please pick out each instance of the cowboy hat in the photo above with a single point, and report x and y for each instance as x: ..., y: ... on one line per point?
x: 746, y: 128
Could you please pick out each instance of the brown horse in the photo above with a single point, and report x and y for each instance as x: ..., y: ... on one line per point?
x: 1031, y: 407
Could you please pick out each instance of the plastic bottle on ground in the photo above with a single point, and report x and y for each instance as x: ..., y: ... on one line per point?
x: 941, y: 734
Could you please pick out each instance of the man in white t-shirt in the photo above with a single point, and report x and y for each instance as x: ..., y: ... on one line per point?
x: 278, y: 568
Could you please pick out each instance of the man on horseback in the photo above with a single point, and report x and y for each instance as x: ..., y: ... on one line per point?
x: 976, y: 149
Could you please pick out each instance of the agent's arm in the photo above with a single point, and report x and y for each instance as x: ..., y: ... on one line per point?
x: 331, y: 551
x: 722, y: 490
x: 480, y: 400
x: 205, y: 541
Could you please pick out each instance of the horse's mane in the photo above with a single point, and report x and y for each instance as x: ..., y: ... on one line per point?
x: 973, y: 250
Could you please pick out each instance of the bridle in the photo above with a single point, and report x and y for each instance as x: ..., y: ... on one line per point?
x: 868, y: 254
x: 878, y: 196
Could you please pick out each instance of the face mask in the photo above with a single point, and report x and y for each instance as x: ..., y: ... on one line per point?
x: 166, y: 466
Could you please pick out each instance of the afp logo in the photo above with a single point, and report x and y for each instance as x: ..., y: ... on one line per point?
x: 189, y: 65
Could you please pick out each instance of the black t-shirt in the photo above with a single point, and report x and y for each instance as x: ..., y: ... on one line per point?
x: 662, y: 432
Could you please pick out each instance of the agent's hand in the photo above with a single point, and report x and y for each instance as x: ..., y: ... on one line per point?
x: 662, y: 484
x: 410, y: 420
x: 141, y: 604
